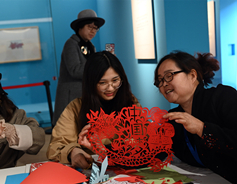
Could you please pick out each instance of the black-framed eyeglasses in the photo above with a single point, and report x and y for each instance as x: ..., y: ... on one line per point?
x: 167, y: 78
x: 91, y: 28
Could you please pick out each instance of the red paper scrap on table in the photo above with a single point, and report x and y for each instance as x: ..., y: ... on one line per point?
x: 54, y: 173
x: 35, y: 166
x: 137, y: 134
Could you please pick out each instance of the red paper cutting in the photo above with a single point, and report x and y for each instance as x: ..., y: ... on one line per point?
x: 137, y: 134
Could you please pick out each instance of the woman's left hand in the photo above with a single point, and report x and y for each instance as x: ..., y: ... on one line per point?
x: 2, y: 127
x: 82, y: 140
x: 190, y: 123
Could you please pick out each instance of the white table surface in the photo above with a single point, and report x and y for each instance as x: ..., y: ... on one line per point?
x: 11, y: 171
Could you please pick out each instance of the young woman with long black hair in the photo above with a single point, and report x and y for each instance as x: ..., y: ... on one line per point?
x: 105, y: 85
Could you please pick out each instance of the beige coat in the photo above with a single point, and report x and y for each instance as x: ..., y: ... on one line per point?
x: 65, y: 133
x: 9, y: 156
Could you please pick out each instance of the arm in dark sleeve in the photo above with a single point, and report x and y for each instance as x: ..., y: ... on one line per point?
x: 223, y: 137
x: 73, y: 59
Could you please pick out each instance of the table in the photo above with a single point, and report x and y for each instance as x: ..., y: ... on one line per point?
x: 11, y: 171
x: 199, y: 175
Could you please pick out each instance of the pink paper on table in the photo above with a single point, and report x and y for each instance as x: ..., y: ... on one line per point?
x: 54, y: 173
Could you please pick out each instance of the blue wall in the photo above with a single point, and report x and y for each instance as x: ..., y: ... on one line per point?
x: 14, y: 13
x: 178, y: 24
x: 186, y: 25
x: 119, y: 30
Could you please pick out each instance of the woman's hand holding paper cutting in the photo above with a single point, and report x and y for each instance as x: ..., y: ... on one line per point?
x: 190, y: 123
x: 82, y: 140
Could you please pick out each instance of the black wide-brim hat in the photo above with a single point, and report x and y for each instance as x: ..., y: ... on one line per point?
x: 86, y: 15
x: 2, y: 92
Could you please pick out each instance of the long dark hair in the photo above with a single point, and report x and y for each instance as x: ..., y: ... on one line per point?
x: 204, y: 64
x: 7, y: 108
x: 96, y: 65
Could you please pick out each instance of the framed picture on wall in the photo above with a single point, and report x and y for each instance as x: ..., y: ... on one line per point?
x: 20, y: 44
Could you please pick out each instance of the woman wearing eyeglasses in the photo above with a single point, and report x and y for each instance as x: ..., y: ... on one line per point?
x: 76, y: 51
x: 104, y: 85
x: 205, y: 121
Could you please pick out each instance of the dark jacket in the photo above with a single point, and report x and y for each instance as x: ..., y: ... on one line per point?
x: 70, y: 77
x: 217, y: 149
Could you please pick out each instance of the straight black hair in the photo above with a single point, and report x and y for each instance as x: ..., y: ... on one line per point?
x: 96, y: 65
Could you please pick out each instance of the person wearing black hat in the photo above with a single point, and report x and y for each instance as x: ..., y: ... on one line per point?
x: 74, y: 55
x: 18, y: 134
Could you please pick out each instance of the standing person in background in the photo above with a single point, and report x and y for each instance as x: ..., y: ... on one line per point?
x: 205, y: 121
x: 18, y: 134
x: 76, y: 51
